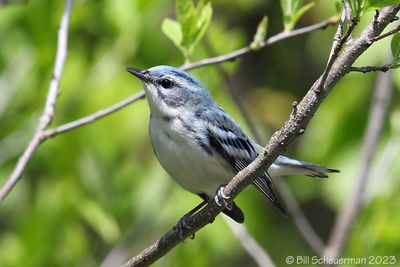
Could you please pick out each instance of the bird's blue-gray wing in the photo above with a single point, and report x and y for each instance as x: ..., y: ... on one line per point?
x: 227, y: 139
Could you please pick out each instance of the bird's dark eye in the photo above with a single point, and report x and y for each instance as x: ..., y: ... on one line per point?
x: 166, y: 83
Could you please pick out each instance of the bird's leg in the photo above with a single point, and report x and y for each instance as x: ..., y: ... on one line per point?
x: 221, y: 199
x: 182, y: 223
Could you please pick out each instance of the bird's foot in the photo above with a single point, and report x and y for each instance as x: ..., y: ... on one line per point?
x: 221, y: 199
x: 182, y: 226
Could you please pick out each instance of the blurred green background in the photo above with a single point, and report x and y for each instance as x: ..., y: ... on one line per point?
x: 98, y: 191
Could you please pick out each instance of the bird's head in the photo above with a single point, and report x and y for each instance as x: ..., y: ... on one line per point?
x: 171, y: 91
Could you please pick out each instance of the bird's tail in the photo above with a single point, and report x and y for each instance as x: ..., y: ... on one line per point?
x: 286, y: 166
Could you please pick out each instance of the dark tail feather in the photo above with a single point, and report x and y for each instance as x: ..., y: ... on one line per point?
x: 264, y: 184
x: 289, y: 166
x: 235, y: 213
x: 317, y: 171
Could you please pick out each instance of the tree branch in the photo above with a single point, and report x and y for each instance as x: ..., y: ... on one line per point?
x: 346, y: 218
x: 93, y: 117
x: 366, y: 69
x: 272, y: 40
x: 389, y: 33
x: 51, y: 100
x: 293, y: 127
x: 338, y: 41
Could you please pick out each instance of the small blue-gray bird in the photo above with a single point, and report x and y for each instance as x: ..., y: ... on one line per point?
x: 199, y: 144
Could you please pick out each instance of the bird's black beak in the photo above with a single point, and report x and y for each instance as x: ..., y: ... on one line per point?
x: 138, y: 73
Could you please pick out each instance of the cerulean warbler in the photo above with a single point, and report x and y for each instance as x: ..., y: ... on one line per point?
x: 199, y: 144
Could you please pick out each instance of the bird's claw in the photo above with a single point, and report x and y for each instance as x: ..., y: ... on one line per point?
x: 221, y: 199
x: 182, y: 225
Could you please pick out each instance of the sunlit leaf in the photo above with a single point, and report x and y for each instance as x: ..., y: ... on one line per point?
x: 191, y: 26
x: 172, y: 29
x: 203, y: 21
x: 184, y: 8
x: 261, y: 34
x: 338, y: 6
x: 395, y: 46
x: 195, y: 25
x: 300, y: 12
x: 356, y: 7
x: 292, y: 11
x: 378, y: 4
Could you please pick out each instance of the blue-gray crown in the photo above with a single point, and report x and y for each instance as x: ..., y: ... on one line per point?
x: 173, y: 86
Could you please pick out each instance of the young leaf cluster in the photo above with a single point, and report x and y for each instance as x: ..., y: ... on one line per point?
x: 187, y: 31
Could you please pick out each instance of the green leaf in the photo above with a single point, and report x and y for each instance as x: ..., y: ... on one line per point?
x: 395, y: 46
x: 172, y: 29
x: 260, y: 35
x: 301, y: 11
x: 356, y: 7
x: 291, y: 6
x: 378, y: 4
x: 183, y: 9
x: 338, y: 6
x: 192, y: 24
x: 186, y: 13
x: 203, y: 21
x: 293, y: 10
x: 195, y: 26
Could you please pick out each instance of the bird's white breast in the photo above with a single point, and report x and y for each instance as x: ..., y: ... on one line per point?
x: 180, y: 154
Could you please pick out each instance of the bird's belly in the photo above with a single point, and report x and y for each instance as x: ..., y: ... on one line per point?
x: 190, y: 165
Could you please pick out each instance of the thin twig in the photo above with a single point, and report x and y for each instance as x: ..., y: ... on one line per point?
x: 272, y: 40
x: 338, y: 42
x: 293, y: 127
x: 51, y: 100
x: 346, y: 218
x: 347, y: 10
x: 389, y: 33
x: 366, y: 69
x: 92, y: 117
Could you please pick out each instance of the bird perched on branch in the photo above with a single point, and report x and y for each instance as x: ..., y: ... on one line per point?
x: 200, y: 145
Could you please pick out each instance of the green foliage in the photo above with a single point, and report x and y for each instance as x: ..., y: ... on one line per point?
x: 260, y: 35
x: 173, y: 30
x: 356, y: 7
x: 395, y: 46
x: 191, y: 26
x: 99, y: 189
x: 292, y: 11
x: 359, y: 6
x: 378, y: 4
x: 338, y: 6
